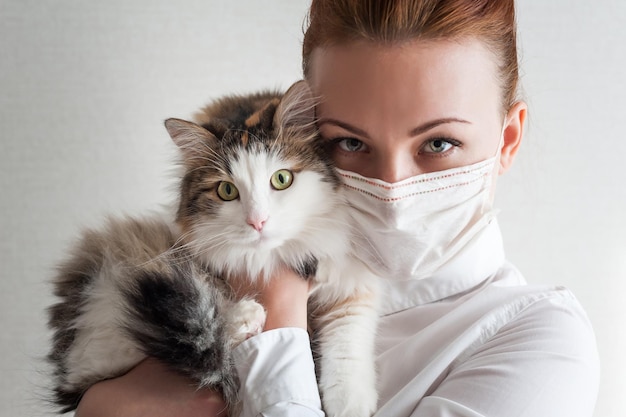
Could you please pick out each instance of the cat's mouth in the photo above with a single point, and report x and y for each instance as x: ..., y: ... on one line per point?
x: 265, y: 240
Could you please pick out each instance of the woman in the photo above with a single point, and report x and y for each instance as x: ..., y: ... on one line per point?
x: 418, y: 106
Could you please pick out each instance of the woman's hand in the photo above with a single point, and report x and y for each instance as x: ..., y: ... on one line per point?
x: 285, y: 300
x: 150, y: 389
x: 284, y: 297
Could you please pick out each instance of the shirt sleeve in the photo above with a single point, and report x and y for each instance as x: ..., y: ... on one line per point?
x: 542, y: 364
x: 277, y: 375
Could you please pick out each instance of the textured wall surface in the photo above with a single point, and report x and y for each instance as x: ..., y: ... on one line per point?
x: 85, y: 86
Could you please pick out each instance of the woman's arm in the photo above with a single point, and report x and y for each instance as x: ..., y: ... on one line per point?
x: 285, y: 300
x: 150, y: 389
x: 276, y: 367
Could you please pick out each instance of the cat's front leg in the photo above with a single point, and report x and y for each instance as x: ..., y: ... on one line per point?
x: 346, y: 345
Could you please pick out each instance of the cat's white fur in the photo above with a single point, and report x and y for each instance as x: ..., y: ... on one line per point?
x: 236, y: 247
x: 347, y: 385
x: 101, y: 348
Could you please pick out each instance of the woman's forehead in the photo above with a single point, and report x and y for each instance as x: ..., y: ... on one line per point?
x: 431, y: 78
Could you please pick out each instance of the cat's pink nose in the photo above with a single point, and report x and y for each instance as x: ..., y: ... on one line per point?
x: 257, y: 223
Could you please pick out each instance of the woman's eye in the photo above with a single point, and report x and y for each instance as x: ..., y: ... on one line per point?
x: 281, y: 179
x: 350, y: 144
x: 227, y: 191
x: 439, y: 145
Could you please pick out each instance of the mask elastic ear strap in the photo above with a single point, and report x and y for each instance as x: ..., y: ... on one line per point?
x: 501, y: 140
x: 496, y: 167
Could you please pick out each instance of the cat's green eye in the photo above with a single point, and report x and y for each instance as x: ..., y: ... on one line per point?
x: 281, y: 179
x: 227, y: 191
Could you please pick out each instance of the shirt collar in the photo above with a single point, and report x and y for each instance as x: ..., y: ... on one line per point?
x: 475, y: 263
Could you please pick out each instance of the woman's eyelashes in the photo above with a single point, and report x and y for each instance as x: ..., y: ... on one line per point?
x: 439, y: 146
x: 349, y: 144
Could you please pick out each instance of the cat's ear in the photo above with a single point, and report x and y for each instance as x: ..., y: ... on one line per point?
x: 189, y: 137
x: 297, y: 109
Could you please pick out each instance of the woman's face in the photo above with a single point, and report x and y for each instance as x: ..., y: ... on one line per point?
x: 392, y: 112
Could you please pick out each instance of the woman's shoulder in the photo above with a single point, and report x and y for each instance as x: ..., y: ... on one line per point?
x: 531, y: 340
x: 509, y: 284
x: 536, y: 338
x: 508, y: 290
x: 536, y: 314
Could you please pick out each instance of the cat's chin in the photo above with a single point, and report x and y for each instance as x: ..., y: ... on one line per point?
x: 257, y: 242
x: 265, y: 242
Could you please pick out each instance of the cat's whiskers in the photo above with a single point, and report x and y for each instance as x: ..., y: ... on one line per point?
x: 179, y: 243
x: 171, y: 256
x: 208, y: 241
x: 205, y: 162
x: 200, y: 251
x: 193, y: 148
x: 220, y: 157
x: 204, y: 153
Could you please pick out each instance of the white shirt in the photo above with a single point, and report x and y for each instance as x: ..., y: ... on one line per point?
x: 472, y: 340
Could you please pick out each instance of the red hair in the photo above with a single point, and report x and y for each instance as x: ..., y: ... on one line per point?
x: 332, y: 22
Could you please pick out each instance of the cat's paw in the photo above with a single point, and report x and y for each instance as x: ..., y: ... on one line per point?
x: 352, y: 397
x: 357, y: 403
x: 246, y: 319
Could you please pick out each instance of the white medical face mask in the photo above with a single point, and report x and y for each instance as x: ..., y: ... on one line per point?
x: 410, y: 229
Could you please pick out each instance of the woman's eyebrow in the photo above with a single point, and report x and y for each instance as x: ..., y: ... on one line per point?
x: 414, y: 132
x: 343, y: 125
x: 434, y: 123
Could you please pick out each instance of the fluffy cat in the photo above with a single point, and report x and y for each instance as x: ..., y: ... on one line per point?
x: 258, y: 192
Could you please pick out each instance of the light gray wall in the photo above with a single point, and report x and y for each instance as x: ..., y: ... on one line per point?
x: 85, y: 86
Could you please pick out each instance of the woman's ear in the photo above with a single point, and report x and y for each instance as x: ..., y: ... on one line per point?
x: 513, y: 133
